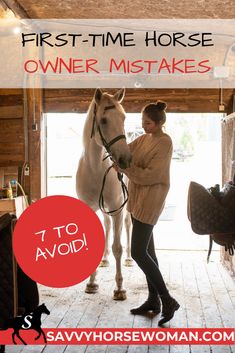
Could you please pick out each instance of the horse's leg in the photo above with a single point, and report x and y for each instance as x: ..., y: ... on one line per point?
x: 128, y: 227
x: 13, y: 337
x: 20, y: 338
x: 119, y: 293
x: 107, y: 226
x: 92, y: 286
x: 44, y: 336
x: 39, y: 330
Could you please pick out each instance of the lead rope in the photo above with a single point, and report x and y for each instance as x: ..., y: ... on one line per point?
x: 124, y: 191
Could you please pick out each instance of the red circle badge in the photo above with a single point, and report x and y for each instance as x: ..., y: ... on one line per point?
x: 58, y: 241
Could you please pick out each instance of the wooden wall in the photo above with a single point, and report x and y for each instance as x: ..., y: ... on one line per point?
x: 19, y: 143
x: 178, y: 100
x: 228, y: 167
x: 11, y: 128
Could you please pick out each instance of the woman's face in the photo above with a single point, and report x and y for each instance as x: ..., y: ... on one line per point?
x: 149, y: 126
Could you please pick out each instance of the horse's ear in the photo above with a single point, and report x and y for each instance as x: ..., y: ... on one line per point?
x: 119, y: 95
x: 98, y: 95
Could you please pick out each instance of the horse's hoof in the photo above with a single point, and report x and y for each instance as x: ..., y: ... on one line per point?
x: 119, y: 294
x: 128, y: 262
x: 91, y: 288
x: 104, y: 263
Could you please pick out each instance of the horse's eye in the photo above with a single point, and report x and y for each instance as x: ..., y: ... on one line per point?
x: 103, y: 121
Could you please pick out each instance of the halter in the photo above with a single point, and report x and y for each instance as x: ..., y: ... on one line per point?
x: 107, y: 146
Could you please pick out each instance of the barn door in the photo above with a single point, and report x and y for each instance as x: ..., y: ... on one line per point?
x: 228, y: 169
x: 228, y: 147
x: 44, y: 156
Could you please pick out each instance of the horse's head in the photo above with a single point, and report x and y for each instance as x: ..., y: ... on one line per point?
x: 108, y: 126
x: 44, y: 309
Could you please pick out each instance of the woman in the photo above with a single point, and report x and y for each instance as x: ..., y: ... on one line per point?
x: 148, y: 187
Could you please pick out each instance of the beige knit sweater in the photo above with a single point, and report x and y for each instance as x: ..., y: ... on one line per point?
x: 149, y: 179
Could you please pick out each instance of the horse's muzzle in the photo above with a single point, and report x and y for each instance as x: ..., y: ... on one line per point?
x: 124, y: 162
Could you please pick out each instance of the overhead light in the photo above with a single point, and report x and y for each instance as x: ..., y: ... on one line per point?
x: 16, y: 30
x: 138, y: 84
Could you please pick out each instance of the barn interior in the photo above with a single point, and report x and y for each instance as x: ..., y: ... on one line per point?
x: 205, y: 290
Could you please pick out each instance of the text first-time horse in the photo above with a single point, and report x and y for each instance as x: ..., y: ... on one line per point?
x: 104, y: 126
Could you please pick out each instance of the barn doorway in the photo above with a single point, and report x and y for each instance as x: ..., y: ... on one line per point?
x: 197, y: 156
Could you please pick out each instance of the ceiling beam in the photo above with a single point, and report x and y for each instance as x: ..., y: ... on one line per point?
x: 3, y: 5
x: 15, y: 7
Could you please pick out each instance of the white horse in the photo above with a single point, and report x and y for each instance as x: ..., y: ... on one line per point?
x: 104, y: 130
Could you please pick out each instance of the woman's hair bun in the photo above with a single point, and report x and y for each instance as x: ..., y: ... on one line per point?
x: 161, y: 105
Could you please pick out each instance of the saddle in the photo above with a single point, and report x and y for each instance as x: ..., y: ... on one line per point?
x: 212, y: 211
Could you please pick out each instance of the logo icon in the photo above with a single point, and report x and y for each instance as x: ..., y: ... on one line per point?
x: 28, y: 321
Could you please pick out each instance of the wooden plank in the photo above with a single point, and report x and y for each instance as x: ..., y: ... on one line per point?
x: 18, y: 10
x: 11, y: 142
x: 11, y: 126
x: 193, y: 304
x: 228, y: 127
x: 10, y: 91
x: 221, y: 349
x: 229, y: 283
x: 109, y: 314
x: 3, y: 9
x: 133, y: 107
x: 11, y: 148
x: 208, y: 300
x: 75, y: 312
x: 132, y: 93
x: 97, y: 312
x: 224, y: 303
x: 11, y: 136
x: 34, y: 113
x: 11, y: 100
x: 13, y: 160
x: 165, y: 269
x: 11, y: 112
x: 176, y: 289
x: 210, y: 308
x: 223, y: 300
x: 9, y: 171
x: 125, y: 318
x: 181, y: 100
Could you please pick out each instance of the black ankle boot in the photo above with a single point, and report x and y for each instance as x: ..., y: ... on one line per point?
x: 151, y: 304
x: 169, y: 306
